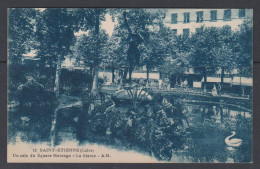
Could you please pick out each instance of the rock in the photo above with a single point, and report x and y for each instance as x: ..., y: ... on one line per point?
x: 108, y: 131
x: 25, y: 119
x: 76, y: 119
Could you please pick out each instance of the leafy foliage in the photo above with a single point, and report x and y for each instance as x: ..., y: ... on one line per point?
x: 203, y: 56
x: 21, y: 33
x: 178, y: 57
x: 243, y: 48
x: 135, y: 27
x: 55, y: 34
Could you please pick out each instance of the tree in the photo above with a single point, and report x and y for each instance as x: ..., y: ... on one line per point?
x: 136, y: 23
x: 203, y: 57
x: 243, y: 48
x: 116, y: 52
x: 84, y: 50
x: 223, y: 51
x: 21, y: 31
x: 117, y: 48
x: 21, y: 25
x: 55, y: 34
x: 156, y: 48
x: 178, y: 56
x: 89, y: 19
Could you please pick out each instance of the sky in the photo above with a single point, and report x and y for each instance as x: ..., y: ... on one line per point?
x: 108, y: 25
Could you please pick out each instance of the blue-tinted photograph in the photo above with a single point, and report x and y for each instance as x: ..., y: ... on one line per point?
x: 128, y: 85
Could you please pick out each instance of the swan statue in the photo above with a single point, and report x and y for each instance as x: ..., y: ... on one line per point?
x: 234, y: 142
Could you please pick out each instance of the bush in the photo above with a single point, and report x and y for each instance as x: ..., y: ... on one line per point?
x: 33, y: 98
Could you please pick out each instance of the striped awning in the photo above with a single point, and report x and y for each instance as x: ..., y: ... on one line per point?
x: 217, y: 80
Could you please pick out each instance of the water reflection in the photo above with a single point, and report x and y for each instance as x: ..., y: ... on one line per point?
x: 174, y: 131
x: 210, y: 125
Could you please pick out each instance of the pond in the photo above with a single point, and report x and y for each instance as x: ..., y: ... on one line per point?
x: 197, y: 135
x: 209, y: 125
x: 171, y: 130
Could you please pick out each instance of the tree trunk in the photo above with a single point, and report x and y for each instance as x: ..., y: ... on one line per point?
x: 127, y: 25
x: 221, y: 114
x: 129, y: 54
x: 113, y: 74
x: 222, y: 76
x: 57, y: 78
x: 130, y: 73
x: 205, y: 81
x: 95, y: 82
x: 96, y: 60
x: 125, y: 74
x: 147, y: 73
x: 241, y: 86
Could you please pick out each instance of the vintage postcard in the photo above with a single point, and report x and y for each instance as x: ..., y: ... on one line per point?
x: 130, y: 85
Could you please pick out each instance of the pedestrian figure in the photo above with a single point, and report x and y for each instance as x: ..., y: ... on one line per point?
x: 185, y: 83
x: 214, y: 91
x: 219, y: 88
x: 147, y: 83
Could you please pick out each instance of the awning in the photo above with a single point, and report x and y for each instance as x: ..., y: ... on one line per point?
x: 136, y: 75
x: 217, y: 80
x: 244, y: 81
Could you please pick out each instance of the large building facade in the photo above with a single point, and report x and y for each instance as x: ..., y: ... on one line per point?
x: 187, y: 21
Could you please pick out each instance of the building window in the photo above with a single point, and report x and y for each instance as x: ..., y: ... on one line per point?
x: 213, y: 15
x: 200, y: 16
x: 227, y: 14
x: 174, y: 31
x: 174, y: 18
x: 186, y: 32
x: 186, y: 16
x: 242, y: 13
